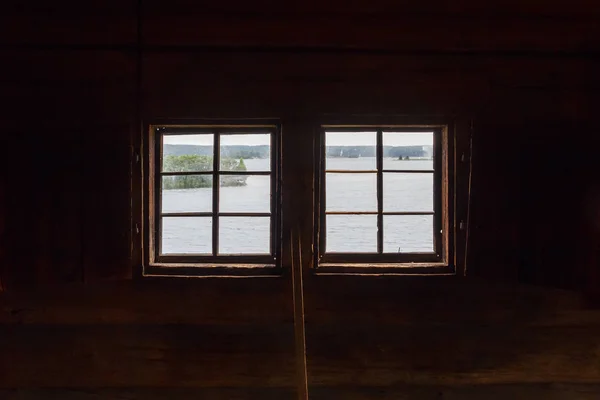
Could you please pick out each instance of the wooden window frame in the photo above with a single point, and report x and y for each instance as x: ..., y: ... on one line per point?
x: 157, y: 264
x: 438, y: 262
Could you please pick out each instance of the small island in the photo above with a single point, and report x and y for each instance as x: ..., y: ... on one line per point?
x: 200, y: 163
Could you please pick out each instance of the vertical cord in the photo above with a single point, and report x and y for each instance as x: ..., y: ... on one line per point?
x: 468, y: 224
x: 299, y: 322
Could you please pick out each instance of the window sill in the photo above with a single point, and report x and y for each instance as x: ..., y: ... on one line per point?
x: 433, y: 268
x: 208, y: 270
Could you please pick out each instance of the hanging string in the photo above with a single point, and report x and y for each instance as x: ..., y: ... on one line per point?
x: 299, y: 322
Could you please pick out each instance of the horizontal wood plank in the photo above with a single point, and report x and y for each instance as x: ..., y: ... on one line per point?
x: 359, y: 7
x: 386, y: 300
x: 65, y: 89
x: 384, y: 30
x: 215, y: 301
x: 380, y: 332
x: 517, y: 391
x: 163, y: 355
x: 315, y: 83
x: 155, y: 393
x: 68, y: 22
x: 550, y: 391
x: 380, y: 355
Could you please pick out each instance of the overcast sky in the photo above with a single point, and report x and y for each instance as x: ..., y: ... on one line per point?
x: 332, y: 139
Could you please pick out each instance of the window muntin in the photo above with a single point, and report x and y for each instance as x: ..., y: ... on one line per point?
x: 198, y: 223
x: 380, y: 195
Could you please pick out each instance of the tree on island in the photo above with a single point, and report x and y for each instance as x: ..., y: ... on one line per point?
x: 241, y: 166
x: 199, y: 163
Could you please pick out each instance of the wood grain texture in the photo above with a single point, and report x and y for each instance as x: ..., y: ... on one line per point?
x: 353, y: 7
x: 525, y: 72
x: 213, y: 301
x: 199, y: 333
x: 526, y: 88
x: 68, y: 22
x: 154, y: 393
x: 384, y: 332
x: 60, y: 103
x: 364, y: 334
x: 398, y: 28
x: 157, y: 355
x: 553, y: 391
x: 106, y: 222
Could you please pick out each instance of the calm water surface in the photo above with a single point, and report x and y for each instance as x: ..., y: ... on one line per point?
x: 344, y: 192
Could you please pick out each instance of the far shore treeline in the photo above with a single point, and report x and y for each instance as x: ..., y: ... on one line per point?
x: 246, y: 152
x: 193, y: 158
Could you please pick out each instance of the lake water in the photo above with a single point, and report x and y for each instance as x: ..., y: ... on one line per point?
x: 344, y: 192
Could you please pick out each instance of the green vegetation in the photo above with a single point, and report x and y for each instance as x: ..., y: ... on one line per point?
x: 198, y: 163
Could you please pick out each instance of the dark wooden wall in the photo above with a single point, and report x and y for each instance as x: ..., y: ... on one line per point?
x: 76, y: 80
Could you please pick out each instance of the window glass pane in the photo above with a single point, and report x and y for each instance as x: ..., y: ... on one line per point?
x: 408, y: 234
x: 188, y: 153
x: 246, y: 152
x: 408, y: 150
x: 244, y: 235
x: 243, y: 193
x: 186, y: 235
x: 351, y: 234
x: 351, y: 192
x: 350, y: 150
x: 407, y: 192
x: 188, y: 193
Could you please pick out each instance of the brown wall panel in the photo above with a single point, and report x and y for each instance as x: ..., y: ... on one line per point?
x: 180, y: 84
x: 106, y: 222
x: 336, y: 8
x: 399, y: 30
x: 68, y: 22
x: 58, y: 103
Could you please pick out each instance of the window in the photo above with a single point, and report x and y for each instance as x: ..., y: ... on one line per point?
x: 214, y: 200
x: 382, y: 195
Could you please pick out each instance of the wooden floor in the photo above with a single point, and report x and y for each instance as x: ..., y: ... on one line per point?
x: 368, y: 341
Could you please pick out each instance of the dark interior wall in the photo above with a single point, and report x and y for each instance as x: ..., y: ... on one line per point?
x: 74, y: 79
x: 525, y: 74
